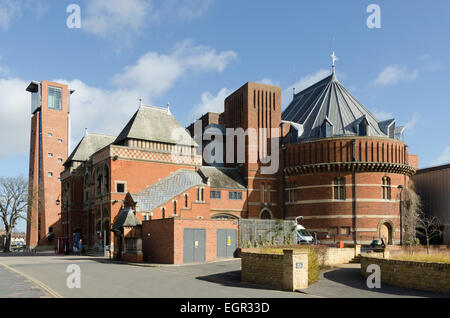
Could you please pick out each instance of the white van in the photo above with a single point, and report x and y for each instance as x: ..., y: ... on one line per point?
x: 303, y: 236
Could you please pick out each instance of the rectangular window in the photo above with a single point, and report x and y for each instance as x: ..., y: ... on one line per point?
x: 54, y: 98
x: 120, y: 187
x: 232, y: 195
x: 50, y: 174
x: 344, y: 230
x: 60, y: 141
x: 50, y: 134
x: 215, y: 195
x: 60, y: 160
x: 50, y: 155
x: 339, y: 189
x: 333, y: 230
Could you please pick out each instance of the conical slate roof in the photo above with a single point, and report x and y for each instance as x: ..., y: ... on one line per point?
x: 327, y: 109
x: 151, y: 123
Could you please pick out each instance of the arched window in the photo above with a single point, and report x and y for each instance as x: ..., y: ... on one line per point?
x: 99, y: 183
x: 186, y: 201
x: 265, y: 215
x: 339, y: 188
x: 386, y: 188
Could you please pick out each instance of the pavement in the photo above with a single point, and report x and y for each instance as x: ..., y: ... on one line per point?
x: 46, y: 276
x: 14, y: 285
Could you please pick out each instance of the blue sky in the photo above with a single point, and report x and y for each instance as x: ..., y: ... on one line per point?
x: 193, y: 53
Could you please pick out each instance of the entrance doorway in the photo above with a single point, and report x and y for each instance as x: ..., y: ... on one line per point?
x: 385, y: 232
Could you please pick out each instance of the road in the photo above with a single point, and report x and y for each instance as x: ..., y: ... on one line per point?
x: 220, y: 279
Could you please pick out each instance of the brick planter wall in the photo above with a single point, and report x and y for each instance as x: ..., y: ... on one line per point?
x: 277, y: 271
x: 433, y: 277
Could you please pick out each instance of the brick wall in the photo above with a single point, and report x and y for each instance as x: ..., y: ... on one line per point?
x: 418, y: 275
x: 277, y: 271
x: 165, y: 243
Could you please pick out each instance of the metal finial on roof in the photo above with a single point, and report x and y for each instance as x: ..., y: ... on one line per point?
x: 85, y: 131
x: 168, y: 108
x: 334, y: 58
x: 140, y: 102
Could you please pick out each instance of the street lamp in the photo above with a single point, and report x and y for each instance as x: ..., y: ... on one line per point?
x: 400, y: 187
x: 58, y: 202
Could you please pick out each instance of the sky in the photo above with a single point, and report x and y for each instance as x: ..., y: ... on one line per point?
x: 194, y: 53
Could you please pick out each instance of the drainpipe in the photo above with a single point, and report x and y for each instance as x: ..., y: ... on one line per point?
x: 355, y: 210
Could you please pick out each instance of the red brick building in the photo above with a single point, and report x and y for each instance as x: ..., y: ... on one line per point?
x: 49, y: 145
x: 155, y: 189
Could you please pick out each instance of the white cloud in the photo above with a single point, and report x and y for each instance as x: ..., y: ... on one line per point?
x: 268, y: 81
x: 210, y: 103
x: 14, y: 117
x: 107, y: 18
x: 107, y: 111
x: 8, y: 10
x: 412, y: 122
x: 444, y: 157
x: 118, y: 19
x: 156, y: 73
x: 303, y: 83
x: 179, y: 10
x: 393, y: 74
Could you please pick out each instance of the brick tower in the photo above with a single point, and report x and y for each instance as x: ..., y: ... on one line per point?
x: 258, y: 107
x: 49, y: 145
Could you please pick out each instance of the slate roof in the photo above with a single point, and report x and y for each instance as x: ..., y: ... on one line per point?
x: 88, y: 145
x: 223, y: 178
x: 328, y: 100
x: 152, y: 123
x: 126, y: 218
x: 166, y: 189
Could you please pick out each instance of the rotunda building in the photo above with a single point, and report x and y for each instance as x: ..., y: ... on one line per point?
x: 344, y: 170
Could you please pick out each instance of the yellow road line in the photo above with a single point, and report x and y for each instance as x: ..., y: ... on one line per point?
x: 41, y: 285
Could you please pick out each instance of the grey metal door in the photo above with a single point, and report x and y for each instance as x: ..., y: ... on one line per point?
x: 194, y: 247
x: 226, y: 243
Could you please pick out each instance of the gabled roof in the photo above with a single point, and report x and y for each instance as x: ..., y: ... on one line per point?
x: 329, y: 100
x: 223, y: 178
x: 126, y: 218
x: 166, y: 189
x: 155, y: 124
x: 88, y: 145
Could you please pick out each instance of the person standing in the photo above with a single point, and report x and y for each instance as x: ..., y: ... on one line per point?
x: 80, y: 246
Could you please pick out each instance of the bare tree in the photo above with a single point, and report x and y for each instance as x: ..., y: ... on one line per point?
x: 13, y: 204
x: 411, y: 211
x: 429, y: 228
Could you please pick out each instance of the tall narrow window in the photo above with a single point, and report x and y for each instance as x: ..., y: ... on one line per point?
x: 163, y: 213
x: 201, y: 194
x: 186, y: 201
x: 363, y: 127
x: 174, y: 207
x: 54, y: 98
x: 339, y: 188
x: 263, y: 200
x: 386, y: 188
